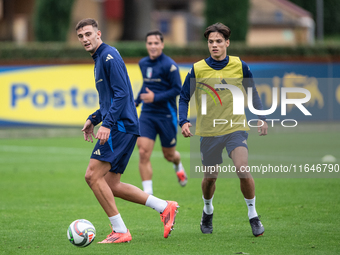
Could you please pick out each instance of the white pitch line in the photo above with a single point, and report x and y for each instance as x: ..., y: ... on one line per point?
x: 159, y: 154
x: 43, y: 150
x: 155, y: 154
x: 66, y: 150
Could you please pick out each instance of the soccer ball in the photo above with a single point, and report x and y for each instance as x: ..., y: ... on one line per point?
x: 81, y: 233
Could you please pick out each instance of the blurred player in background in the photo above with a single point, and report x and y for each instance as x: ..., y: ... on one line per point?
x: 161, y: 86
x: 117, y: 136
x: 221, y: 67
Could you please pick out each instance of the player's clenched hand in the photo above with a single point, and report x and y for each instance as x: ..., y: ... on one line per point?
x: 263, y: 130
x: 88, y: 131
x: 186, y: 129
x: 103, y: 135
x: 147, y: 97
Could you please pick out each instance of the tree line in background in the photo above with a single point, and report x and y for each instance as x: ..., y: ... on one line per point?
x: 52, y: 18
x: 233, y: 13
x: 330, y: 14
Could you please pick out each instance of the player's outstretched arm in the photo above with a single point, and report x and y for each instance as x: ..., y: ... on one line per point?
x: 88, y: 131
x: 263, y: 130
x: 186, y: 129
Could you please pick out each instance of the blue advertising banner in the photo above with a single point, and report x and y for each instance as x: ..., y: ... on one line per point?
x: 322, y: 80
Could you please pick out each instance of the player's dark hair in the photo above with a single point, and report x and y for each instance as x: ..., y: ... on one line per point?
x: 154, y: 32
x: 220, y: 28
x: 86, y: 22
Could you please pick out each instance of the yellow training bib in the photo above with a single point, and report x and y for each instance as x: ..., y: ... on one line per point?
x: 214, y: 105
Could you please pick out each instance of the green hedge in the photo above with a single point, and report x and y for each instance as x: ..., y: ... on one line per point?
x: 60, y: 51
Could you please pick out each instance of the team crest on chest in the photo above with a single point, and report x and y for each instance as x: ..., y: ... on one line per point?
x: 149, y: 72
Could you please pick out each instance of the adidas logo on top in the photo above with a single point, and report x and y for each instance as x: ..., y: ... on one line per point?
x: 97, y: 152
x: 173, y: 68
x: 109, y: 57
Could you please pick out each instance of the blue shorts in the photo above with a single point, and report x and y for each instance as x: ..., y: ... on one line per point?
x: 117, y: 150
x: 165, y: 126
x: 212, y: 147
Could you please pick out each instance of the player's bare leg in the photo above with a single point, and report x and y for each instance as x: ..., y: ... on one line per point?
x: 124, y: 190
x: 95, y: 178
x: 145, y: 147
x: 208, y: 190
x: 171, y: 155
x: 240, y: 158
x: 209, y: 184
x: 167, y: 209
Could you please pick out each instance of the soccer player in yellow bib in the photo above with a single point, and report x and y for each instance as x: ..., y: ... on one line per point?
x: 217, y: 103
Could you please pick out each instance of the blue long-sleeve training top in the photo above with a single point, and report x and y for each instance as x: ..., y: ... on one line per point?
x: 186, y: 92
x: 117, y: 108
x: 162, y: 77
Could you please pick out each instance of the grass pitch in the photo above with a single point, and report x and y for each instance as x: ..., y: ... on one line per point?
x: 42, y: 190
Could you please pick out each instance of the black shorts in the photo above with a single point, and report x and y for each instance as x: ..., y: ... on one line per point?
x: 212, y: 147
x: 165, y: 126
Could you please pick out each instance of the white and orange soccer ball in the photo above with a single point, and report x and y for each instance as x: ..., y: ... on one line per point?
x: 81, y: 233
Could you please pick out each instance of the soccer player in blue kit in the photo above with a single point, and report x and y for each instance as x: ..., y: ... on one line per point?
x: 117, y: 136
x: 161, y: 86
x: 221, y: 68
